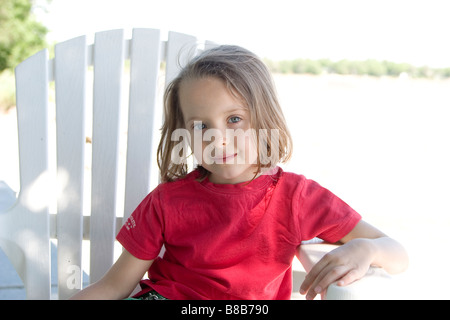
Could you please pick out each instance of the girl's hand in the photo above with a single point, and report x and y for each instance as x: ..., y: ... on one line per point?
x: 363, y: 246
x: 344, y: 264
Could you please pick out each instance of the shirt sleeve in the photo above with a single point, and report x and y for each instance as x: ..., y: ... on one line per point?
x: 323, y: 214
x: 142, y: 233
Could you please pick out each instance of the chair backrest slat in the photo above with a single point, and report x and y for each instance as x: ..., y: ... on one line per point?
x: 108, y: 71
x: 142, y: 125
x: 180, y: 48
x: 32, y: 117
x: 70, y: 90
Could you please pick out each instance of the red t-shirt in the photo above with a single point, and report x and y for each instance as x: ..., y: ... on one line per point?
x: 231, y: 241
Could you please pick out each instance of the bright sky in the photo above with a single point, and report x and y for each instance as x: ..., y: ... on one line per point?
x: 413, y: 31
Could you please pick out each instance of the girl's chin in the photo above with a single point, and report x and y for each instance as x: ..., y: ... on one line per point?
x: 231, y: 175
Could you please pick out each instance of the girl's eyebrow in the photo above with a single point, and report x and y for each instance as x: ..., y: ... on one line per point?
x: 194, y: 118
x: 198, y: 118
x: 237, y: 109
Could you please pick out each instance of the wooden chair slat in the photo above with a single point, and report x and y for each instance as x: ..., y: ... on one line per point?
x: 108, y: 72
x: 70, y: 89
x: 145, y: 63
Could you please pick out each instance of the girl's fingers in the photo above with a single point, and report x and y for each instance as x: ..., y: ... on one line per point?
x: 350, y: 277
x: 330, y: 274
x: 342, y: 275
x: 314, y: 274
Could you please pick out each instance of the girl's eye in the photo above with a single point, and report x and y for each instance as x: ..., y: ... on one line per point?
x: 198, y: 125
x: 234, y: 119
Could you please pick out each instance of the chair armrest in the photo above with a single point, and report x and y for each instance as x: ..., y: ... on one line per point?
x: 7, y: 197
x: 376, y: 284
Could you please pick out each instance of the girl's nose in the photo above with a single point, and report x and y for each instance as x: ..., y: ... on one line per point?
x: 220, y: 138
x: 220, y: 142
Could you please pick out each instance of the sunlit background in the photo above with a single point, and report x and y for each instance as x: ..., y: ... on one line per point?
x: 400, y: 30
x: 382, y: 144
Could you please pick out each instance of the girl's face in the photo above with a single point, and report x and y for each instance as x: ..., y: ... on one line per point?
x: 219, y: 125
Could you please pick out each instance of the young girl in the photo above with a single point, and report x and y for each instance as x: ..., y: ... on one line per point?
x: 231, y: 226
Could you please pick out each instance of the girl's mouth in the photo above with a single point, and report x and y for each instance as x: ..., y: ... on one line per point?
x: 224, y: 159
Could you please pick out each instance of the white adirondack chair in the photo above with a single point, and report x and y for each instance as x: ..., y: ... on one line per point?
x: 27, y: 227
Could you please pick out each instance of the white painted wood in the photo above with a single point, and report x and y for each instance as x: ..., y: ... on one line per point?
x: 70, y: 86
x: 180, y: 49
x: 371, y: 287
x: 145, y: 63
x: 210, y: 44
x: 24, y: 229
x: 108, y: 71
x: 7, y: 196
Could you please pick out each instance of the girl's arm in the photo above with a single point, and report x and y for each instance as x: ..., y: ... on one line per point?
x: 119, y: 281
x: 363, y: 247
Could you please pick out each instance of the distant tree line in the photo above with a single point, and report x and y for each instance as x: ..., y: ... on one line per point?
x: 369, y: 67
x: 21, y: 35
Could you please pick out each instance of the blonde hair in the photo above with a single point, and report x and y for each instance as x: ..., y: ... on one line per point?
x: 247, y: 77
